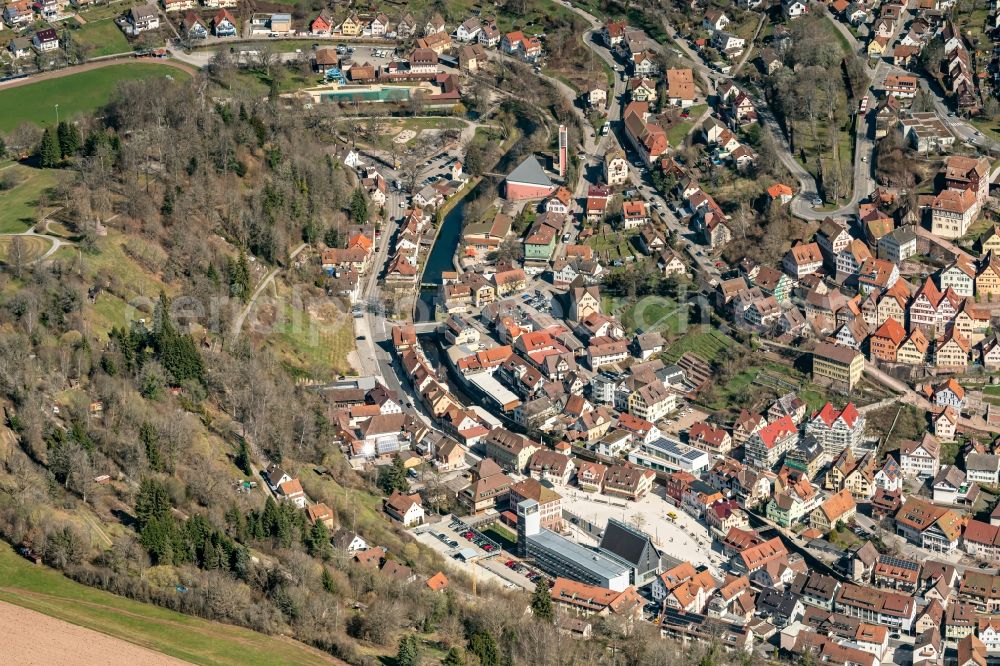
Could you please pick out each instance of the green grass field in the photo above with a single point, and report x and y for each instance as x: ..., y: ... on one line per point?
x: 610, y: 244
x: 708, y: 343
x: 19, y: 205
x: 988, y: 127
x: 974, y: 25
x: 75, y: 94
x: 98, y: 12
x: 32, y: 247
x: 814, y: 145
x: 655, y: 313
x: 189, y: 638
x: 679, y: 130
x: 100, y: 38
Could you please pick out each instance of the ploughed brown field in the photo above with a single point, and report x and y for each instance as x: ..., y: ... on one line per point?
x: 30, y: 638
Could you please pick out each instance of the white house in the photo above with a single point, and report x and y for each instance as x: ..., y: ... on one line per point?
x: 982, y: 468
x: 276, y: 476
x: 715, y: 20
x: 947, y: 484
x: 291, y: 491
x: 349, y: 541
x: 960, y: 276
x: 405, y: 508
x: 794, y: 8
x: 469, y: 31
x: 950, y: 394
x: 989, y: 634
x: 142, y: 19
x: 920, y: 459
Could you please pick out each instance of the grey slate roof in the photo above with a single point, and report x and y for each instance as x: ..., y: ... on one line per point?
x: 903, y: 235
x: 982, y: 462
x: 144, y: 12
x: 628, y: 544
x: 951, y: 475
x: 780, y: 606
x: 529, y: 172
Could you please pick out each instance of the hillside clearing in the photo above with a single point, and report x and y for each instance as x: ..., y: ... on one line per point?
x: 19, y: 204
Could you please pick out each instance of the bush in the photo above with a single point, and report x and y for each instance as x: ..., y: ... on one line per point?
x: 8, y: 181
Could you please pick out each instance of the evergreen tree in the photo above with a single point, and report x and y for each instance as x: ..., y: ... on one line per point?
x: 318, y: 540
x: 328, y: 583
x: 236, y: 523
x: 180, y: 357
x: 409, y: 651
x: 150, y: 440
x: 69, y: 139
x: 93, y: 141
x: 152, y: 502
x: 167, y: 207
x: 310, y: 232
x: 163, y: 328
x: 176, y: 351
x: 48, y: 151
x: 541, y: 600
x: 239, y: 277
x: 393, y: 477
x: 453, y: 658
x: 484, y: 646
x: 331, y: 237
x: 243, y: 458
x: 271, y: 516
x: 359, y: 206
x: 158, y: 538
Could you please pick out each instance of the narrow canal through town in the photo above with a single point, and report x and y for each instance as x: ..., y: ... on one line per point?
x: 442, y: 255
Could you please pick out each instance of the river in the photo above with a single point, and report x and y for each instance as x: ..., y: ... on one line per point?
x: 442, y: 255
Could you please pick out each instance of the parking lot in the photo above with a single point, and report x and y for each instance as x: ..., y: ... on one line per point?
x: 512, y: 570
x: 436, y: 167
x: 686, y: 418
x: 483, y: 574
x: 475, y: 554
x: 458, y: 539
x: 680, y: 537
x: 539, y: 300
x: 374, y: 55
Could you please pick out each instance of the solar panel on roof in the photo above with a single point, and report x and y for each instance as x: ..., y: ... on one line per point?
x: 898, y: 562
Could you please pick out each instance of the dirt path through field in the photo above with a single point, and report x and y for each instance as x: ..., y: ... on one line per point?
x: 30, y: 638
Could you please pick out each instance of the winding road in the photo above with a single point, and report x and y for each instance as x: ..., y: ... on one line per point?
x: 55, y: 241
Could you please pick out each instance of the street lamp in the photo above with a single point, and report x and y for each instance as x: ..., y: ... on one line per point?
x: 57, y: 114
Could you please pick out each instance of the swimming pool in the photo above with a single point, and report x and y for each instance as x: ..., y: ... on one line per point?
x: 366, y: 95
